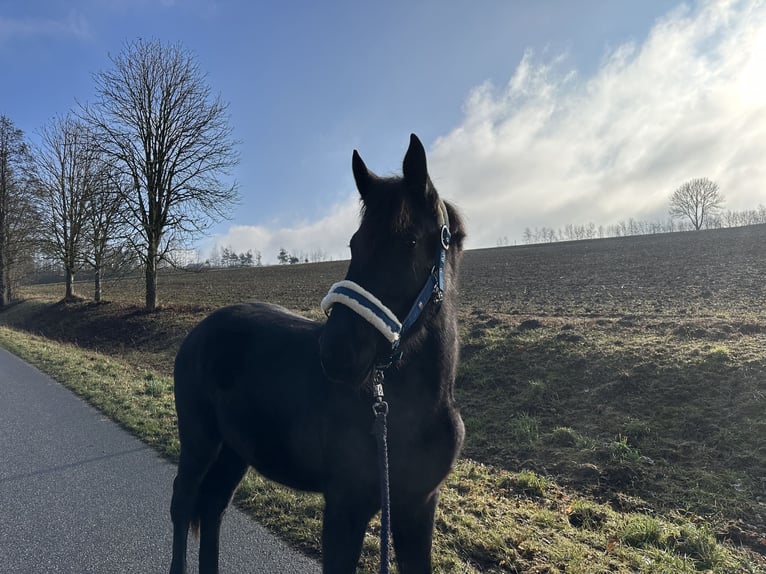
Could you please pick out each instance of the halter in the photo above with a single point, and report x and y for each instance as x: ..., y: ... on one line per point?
x: 372, y: 309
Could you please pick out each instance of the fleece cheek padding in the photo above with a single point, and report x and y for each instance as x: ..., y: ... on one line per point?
x: 366, y: 305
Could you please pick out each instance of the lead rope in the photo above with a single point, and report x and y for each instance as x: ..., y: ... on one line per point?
x: 380, y: 408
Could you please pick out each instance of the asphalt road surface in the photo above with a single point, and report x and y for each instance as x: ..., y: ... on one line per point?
x: 80, y: 495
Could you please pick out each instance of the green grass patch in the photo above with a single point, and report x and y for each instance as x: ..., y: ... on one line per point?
x: 525, y: 482
x: 620, y: 451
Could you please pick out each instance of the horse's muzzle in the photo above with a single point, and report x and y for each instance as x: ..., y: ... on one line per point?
x: 348, y: 347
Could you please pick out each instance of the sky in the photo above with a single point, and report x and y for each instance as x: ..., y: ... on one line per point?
x: 533, y: 114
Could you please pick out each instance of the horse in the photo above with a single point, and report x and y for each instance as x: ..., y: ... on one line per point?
x: 258, y: 386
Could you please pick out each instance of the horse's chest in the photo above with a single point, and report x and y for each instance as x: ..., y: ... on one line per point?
x: 422, y: 450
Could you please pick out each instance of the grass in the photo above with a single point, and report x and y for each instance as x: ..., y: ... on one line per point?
x: 609, y: 429
x: 653, y: 414
x: 622, y: 452
x: 526, y: 482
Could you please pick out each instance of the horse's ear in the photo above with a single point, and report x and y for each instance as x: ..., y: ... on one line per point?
x: 362, y: 176
x: 415, y: 168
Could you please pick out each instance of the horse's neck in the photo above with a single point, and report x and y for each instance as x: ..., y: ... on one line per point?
x: 433, y: 359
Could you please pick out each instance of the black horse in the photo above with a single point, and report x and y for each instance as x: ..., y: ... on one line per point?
x: 256, y: 385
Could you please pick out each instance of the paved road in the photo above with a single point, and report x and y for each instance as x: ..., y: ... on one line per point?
x: 80, y: 495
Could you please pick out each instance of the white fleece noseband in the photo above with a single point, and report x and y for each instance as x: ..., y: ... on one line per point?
x: 366, y: 305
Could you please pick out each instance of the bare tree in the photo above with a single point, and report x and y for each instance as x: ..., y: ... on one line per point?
x: 696, y: 200
x: 66, y: 168
x: 158, y: 123
x: 17, y: 213
x: 105, y: 219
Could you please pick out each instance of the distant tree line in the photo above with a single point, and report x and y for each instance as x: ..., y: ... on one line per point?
x: 571, y: 232
x: 284, y: 257
x: 632, y: 226
x: 227, y: 257
x: 123, y: 182
x: 695, y: 205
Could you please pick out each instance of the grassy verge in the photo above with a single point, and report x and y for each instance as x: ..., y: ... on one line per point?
x: 489, y: 520
x: 672, y: 413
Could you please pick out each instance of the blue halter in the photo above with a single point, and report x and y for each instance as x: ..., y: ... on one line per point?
x: 370, y: 308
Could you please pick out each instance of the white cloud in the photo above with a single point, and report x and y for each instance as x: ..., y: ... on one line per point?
x: 551, y: 148
x: 329, y: 236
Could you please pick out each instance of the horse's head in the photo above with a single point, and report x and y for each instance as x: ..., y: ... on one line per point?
x: 394, y: 254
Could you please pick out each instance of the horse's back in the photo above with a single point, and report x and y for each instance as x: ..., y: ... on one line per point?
x: 254, y: 334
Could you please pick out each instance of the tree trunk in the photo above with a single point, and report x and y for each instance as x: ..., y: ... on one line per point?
x: 5, y: 297
x: 5, y: 276
x: 69, y: 284
x: 97, y: 287
x: 151, y: 277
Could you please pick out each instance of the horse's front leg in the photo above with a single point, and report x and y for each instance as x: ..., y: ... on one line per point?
x: 412, y: 525
x: 343, y: 527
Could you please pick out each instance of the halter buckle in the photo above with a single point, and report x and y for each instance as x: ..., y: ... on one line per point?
x: 445, y: 237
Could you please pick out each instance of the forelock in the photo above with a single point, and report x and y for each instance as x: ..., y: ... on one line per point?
x: 388, y: 208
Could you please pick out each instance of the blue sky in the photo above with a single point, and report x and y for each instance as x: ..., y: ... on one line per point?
x: 533, y: 113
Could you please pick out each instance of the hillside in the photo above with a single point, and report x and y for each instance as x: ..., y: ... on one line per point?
x: 691, y: 274
x: 630, y: 370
